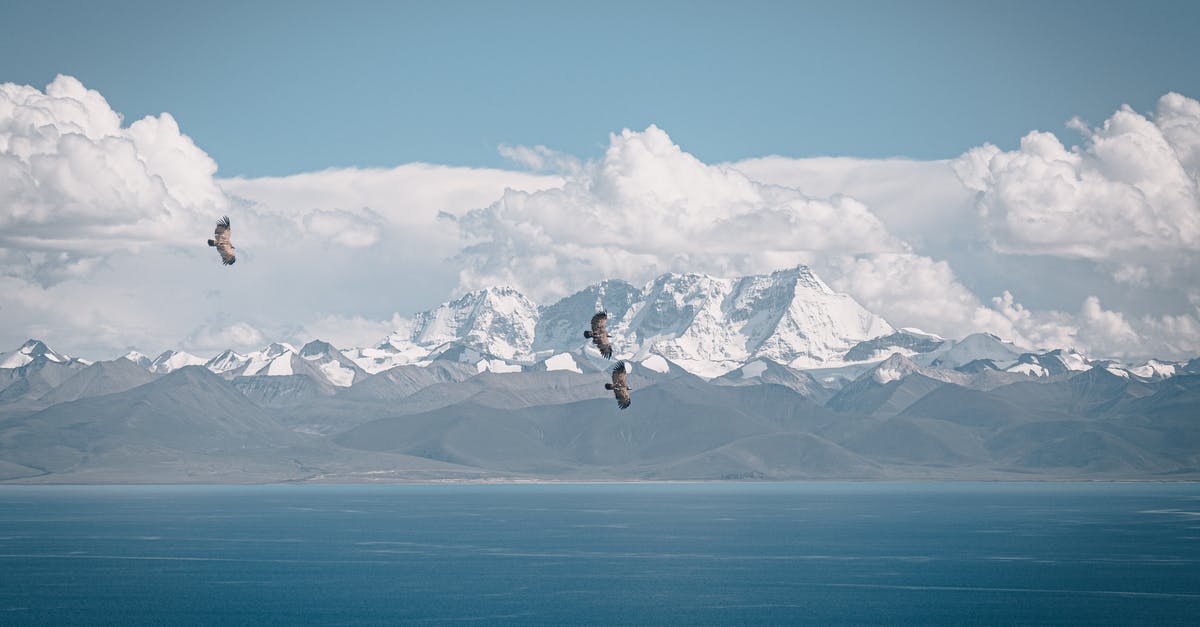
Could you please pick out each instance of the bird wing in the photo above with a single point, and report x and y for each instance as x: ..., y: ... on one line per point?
x: 600, y: 324
x: 618, y: 374
x: 226, y: 251
x: 222, y: 232
x: 623, y: 400
x: 222, y: 242
x: 600, y: 334
x: 620, y: 386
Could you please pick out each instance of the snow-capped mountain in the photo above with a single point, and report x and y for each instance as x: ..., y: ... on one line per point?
x: 1056, y: 362
x: 138, y: 358
x: 908, y: 342
x: 708, y: 326
x: 29, y: 352
x: 976, y: 346
x: 227, y: 361
x: 705, y: 324
x: 172, y: 360
x: 496, y: 321
x: 711, y: 326
x: 335, y: 367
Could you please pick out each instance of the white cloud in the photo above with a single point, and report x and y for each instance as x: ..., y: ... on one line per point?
x: 541, y: 159
x: 76, y: 185
x: 350, y: 331
x: 345, y: 228
x: 916, y: 291
x: 648, y: 207
x: 208, y: 339
x: 1128, y: 197
x: 102, y: 228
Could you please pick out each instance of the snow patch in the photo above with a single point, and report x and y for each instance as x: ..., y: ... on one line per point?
x: 1117, y: 371
x: 337, y: 374
x: 885, y: 375
x: 562, y: 361
x: 280, y: 366
x: 496, y: 365
x: 1032, y: 370
x: 657, y: 364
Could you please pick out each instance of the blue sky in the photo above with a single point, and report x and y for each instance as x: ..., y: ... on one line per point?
x: 275, y: 88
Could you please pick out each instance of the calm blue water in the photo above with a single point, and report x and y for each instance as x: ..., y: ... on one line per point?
x: 946, y: 554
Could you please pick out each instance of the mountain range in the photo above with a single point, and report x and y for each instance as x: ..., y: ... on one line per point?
x: 760, y: 377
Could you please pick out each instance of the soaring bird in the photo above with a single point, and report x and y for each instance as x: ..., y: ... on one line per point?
x: 618, y: 386
x: 221, y: 241
x: 599, y: 334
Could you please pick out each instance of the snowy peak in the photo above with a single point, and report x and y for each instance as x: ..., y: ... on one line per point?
x: 898, y: 367
x: 893, y: 368
x: 1056, y: 362
x: 334, y: 367
x: 29, y: 352
x: 710, y: 325
x: 908, y: 342
x: 560, y: 326
x: 138, y: 358
x: 707, y: 325
x: 274, y: 360
x: 226, y: 362
x: 499, y: 320
x: 970, y: 348
x: 171, y: 360
x: 1154, y: 370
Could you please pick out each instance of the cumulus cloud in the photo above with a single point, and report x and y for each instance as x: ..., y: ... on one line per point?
x: 1099, y: 241
x: 76, y: 185
x: 345, y: 228
x: 541, y: 159
x: 648, y: 207
x: 215, y: 337
x: 1127, y: 198
x: 914, y: 290
x: 316, y: 249
x: 350, y: 331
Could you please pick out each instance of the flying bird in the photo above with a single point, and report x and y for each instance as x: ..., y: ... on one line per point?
x: 618, y: 386
x: 599, y: 334
x: 221, y: 241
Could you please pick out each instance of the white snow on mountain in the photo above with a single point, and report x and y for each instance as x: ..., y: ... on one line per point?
x: 333, y: 365
x: 656, y: 363
x: 971, y: 348
x: 172, y: 360
x: 139, y: 359
x: 264, y: 361
x: 1155, y: 369
x: 499, y: 319
x: 28, y: 352
x: 226, y: 362
x: 710, y: 326
x: 562, y: 361
x: 898, y: 367
x: 707, y: 325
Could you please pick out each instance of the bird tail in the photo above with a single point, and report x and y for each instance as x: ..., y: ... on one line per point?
x: 211, y: 243
x: 608, y: 386
x: 587, y: 334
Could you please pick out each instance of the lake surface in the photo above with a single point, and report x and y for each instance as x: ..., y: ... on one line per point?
x: 814, y: 553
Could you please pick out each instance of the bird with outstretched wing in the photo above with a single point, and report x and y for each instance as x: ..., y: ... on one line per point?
x: 619, y: 385
x: 599, y: 334
x: 221, y: 241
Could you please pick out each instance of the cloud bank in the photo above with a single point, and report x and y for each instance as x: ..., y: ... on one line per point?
x: 1095, y: 246
x: 77, y: 186
x: 648, y: 207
